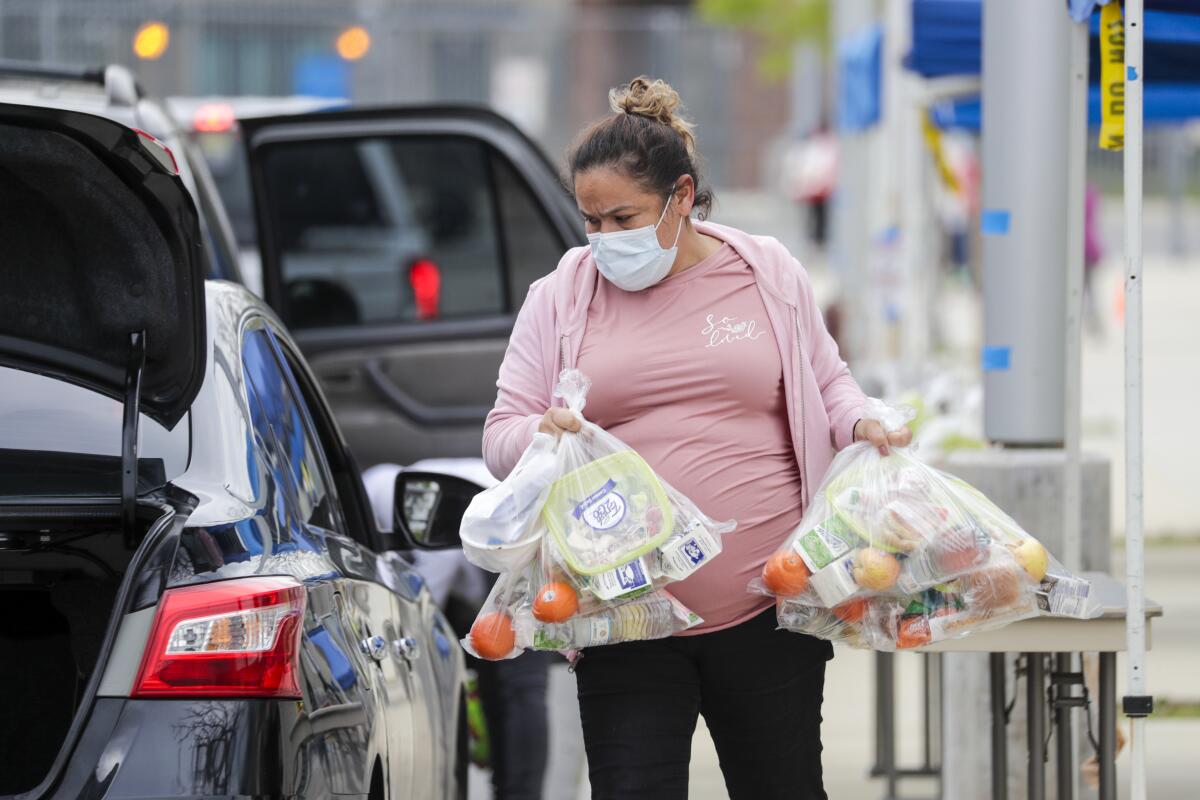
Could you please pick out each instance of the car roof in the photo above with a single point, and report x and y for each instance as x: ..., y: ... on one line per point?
x: 184, y: 108
x: 119, y: 100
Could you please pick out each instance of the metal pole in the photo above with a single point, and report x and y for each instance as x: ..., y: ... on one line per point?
x: 1076, y: 191
x: 1108, y: 727
x: 999, y: 728
x: 928, y: 711
x: 1035, y: 684
x: 1064, y: 738
x: 852, y: 201
x: 885, y: 688
x: 1067, y: 732
x: 1135, y: 616
x: 1025, y: 150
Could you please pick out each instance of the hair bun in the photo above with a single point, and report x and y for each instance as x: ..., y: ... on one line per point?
x: 654, y: 100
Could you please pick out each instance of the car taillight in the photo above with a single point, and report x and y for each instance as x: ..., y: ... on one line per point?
x: 162, y: 154
x: 426, y: 281
x: 214, y: 118
x: 236, y: 638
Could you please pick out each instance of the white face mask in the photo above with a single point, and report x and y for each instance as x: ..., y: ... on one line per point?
x: 634, y: 260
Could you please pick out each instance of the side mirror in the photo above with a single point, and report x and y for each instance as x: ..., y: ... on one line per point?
x: 429, y: 508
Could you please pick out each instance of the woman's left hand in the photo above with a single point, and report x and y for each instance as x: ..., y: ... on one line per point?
x: 871, y: 431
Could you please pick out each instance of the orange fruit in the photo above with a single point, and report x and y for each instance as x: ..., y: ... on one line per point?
x: 555, y: 602
x: 785, y: 574
x: 852, y: 610
x: 493, y: 635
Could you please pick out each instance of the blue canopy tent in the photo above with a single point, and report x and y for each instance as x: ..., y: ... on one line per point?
x: 947, y: 40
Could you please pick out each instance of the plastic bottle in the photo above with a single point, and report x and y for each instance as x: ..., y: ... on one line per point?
x: 651, y: 617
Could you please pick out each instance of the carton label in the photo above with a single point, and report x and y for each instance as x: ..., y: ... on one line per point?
x: 835, y: 583
x: 624, y: 580
x: 683, y: 555
x: 824, y: 544
x: 1064, y: 596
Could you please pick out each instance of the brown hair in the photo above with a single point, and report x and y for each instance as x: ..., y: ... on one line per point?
x: 645, y: 138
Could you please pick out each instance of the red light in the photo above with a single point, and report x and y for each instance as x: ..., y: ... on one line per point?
x: 213, y: 118
x: 160, y: 151
x: 426, y: 281
x: 236, y: 638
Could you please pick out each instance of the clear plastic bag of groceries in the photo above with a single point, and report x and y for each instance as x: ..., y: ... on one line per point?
x: 894, y: 554
x: 542, y: 607
x: 586, y: 513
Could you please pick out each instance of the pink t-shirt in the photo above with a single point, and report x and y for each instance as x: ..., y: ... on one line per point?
x: 688, y: 373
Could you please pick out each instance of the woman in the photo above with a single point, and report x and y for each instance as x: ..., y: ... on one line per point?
x: 708, y: 356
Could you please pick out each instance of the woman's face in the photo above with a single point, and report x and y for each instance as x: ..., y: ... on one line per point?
x: 611, y: 201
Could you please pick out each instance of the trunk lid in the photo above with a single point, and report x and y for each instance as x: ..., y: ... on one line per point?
x: 101, y: 254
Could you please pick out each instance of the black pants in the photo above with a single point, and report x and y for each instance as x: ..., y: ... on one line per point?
x: 513, y: 694
x: 758, y: 688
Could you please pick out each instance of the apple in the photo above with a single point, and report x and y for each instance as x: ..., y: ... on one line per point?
x: 875, y: 570
x: 1032, y: 557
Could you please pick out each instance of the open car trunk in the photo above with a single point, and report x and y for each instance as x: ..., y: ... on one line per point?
x: 103, y: 289
x: 58, y: 588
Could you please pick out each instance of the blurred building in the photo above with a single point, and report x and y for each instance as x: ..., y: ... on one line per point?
x: 546, y: 63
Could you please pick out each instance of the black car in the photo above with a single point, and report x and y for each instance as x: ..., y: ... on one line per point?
x: 196, y: 600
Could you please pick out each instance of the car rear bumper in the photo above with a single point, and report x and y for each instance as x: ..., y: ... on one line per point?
x: 215, y: 748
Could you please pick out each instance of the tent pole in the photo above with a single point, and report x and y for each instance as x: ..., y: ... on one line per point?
x: 1076, y: 191
x: 1073, y: 408
x: 1136, y: 702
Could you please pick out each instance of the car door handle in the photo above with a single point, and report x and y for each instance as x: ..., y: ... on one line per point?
x: 407, y: 647
x: 375, y: 647
x: 413, y: 408
x: 339, y: 379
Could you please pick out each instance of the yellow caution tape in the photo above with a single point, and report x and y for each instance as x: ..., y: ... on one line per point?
x: 933, y: 140
x: 1112, y: 77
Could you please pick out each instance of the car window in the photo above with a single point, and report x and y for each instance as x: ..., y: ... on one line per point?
x: 218, y: 233
x: 385, y: 230
x: 41, y: 414
x: 223, y: 258
x: 227, y: 163
x: 284, y: 436
x: 356, y: 509
x: 532, y: 245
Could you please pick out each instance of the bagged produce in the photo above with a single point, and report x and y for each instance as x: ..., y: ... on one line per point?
x: 534, y: 608
x: 894, y: 554
x: 585, y: 536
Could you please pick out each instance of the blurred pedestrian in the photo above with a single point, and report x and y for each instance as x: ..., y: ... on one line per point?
x: 512, y: 692
x: 707, y: 355
x: 810, y: 172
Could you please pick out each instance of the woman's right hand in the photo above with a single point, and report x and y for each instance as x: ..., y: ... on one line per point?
x: 556, y: 421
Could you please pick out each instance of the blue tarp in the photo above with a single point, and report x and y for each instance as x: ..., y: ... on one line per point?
x: 860, y: 59
x: 948, y: 40
x: 1165, y: 104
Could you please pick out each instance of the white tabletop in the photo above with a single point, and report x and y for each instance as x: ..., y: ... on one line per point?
x: 1105, y: 633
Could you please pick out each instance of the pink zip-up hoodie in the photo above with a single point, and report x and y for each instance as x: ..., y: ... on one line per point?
x: 823, y: 399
